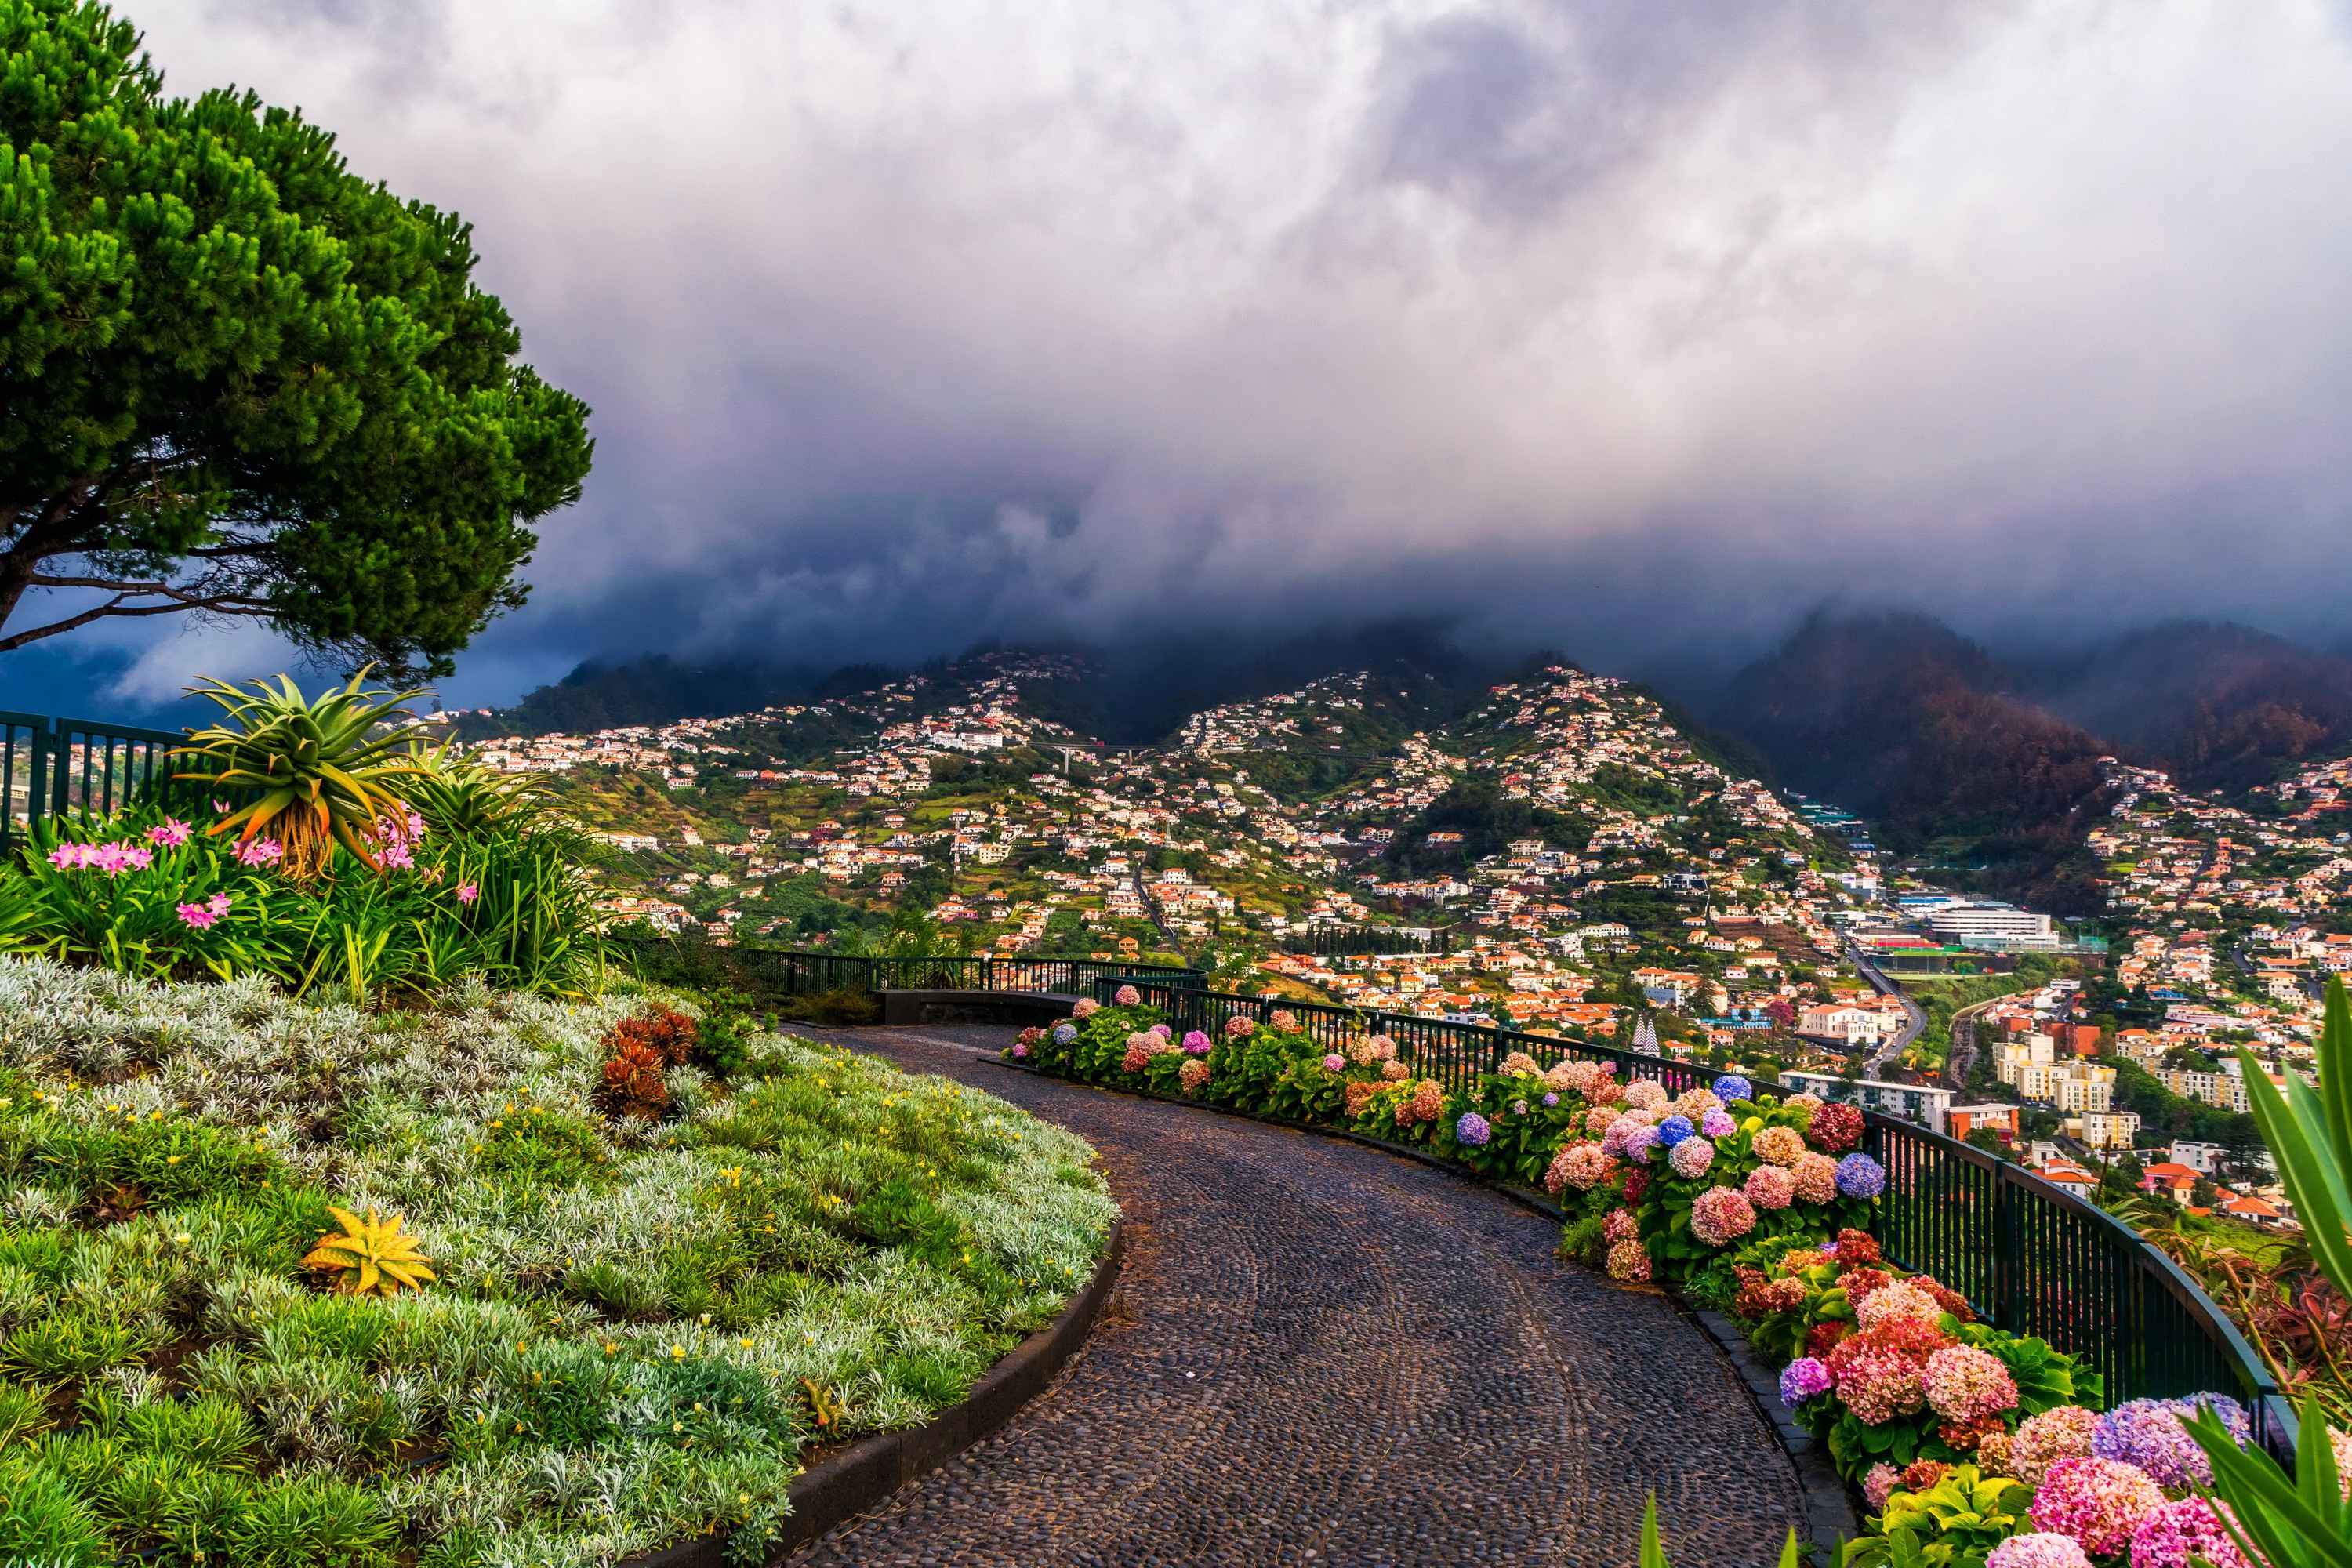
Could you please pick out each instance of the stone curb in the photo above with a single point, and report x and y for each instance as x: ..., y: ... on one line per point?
x: 867, y: 1473
x: 1828, y: 1510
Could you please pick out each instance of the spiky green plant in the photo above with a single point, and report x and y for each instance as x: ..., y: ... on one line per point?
x: 2303, y: 1522
x: 310, y: 773
x: 1653, y: 1553
x: 461, y: 799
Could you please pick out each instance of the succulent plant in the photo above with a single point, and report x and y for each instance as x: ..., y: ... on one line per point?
x: 372, y: 1256
x: 309, y: 773
x: 632, y: 1083
x: 663, y: 1029
x: 824, y: 1405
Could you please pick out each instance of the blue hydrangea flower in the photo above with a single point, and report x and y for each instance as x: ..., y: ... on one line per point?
x: 1805, y: 1377
x: 1550, y: 1100
x: 1860, y: 1176
x: 1674, y: 1130
x: 1472, y: 1129
x: 1064, y: 1033
x: 1731, y: 1087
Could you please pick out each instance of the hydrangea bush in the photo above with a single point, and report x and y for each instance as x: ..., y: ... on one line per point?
x: 1971, y: 1446
x: 639, y: 1319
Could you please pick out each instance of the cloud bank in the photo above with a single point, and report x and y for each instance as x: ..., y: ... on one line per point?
x: 1627, y: 326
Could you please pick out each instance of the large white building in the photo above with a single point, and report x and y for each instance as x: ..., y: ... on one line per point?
x: 1991, y: 925
x: 1923, y: 1103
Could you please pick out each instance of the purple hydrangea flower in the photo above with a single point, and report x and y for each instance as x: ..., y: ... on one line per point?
x: 1639, y: 1142
x: 1164, y: 1031
x: 2147, y: 1433
x: 1019, y: 1049
x: 1472, y: 1129
x: 1731, y: 1087
x: 1335, y: 1062
x: 1860, y: 1176
x: 1805, y: 1377
x: 1550, y: 1100
x: 1064, y: 1033
x: 1518, y: 1108
x: 1674, y: 1130
x: 1717, y: 1124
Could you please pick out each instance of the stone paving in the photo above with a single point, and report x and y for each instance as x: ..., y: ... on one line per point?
x: 1321, y: 1353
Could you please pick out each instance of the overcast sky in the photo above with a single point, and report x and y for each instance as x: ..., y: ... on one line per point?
x: 1623, y: 326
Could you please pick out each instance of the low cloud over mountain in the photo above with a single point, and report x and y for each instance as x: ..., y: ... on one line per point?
x: 1632, y: 328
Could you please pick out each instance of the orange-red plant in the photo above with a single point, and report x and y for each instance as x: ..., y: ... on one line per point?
x: 669, y: 1033
x: 632, y: 1082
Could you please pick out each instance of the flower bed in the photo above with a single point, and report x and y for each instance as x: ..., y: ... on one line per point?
x: 1970, y: 1446
x: 488, y: 888
x: 641, y: 1260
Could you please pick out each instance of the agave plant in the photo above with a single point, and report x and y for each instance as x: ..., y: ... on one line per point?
x: 371, y: 1255
x: 2303, y: 1522
x: 310, y: 774
x: 459, y: 799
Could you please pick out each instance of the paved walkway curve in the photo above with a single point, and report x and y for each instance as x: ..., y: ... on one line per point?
x: 1321, y: 1353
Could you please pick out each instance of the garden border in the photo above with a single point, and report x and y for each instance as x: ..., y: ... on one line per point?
x: 867, y: 1473
x: 1829, y: 1511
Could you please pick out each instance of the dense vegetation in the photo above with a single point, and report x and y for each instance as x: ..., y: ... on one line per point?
x: 244, y: 379
x: 661, y: 1256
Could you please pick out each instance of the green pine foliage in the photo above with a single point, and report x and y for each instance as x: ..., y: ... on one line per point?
x: 248, y: 374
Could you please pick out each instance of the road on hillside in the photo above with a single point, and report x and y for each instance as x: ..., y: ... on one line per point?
x: 1915, y: 1019
x: 1320, y: 1353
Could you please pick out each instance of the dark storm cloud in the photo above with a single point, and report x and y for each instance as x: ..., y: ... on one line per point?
x: 1631, y: 327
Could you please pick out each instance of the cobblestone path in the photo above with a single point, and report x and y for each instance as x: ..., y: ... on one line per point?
x: 1321, y: 1353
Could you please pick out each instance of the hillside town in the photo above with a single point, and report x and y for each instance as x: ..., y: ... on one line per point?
x: 1559, y: 858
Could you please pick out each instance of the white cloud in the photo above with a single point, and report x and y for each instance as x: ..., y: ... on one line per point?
x: 1383, y: 303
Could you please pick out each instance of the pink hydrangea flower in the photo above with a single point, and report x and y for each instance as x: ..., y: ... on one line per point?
x: 1964, y: 1384
x: 1237, y: 1026
x: 1620, y: 1225
x: 1720, y: 1214
x: 1770, y: 1188
x: 1691, y: 1157
x: 2099, y: 1502
x: 2062, y: 1432
x: 1817, y: 1178
x: 1283, y: 1018
x: 1902, y: 1300
x: 1086, y: 1007
x: 1629, y: 1263
x: 1194, y: 1074
x: 1645, y: 1094
x: 1335, y: 1062
x: 2178, y: 1531
x: 1126, y: 996
x: 2038, y: 1549
x: 1717, y: 1124
x: 1880, y: 1484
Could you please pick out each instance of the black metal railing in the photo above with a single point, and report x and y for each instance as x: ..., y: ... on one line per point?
x: 790, y: 972
x: 74, y: 767
x: 2031, y: 1257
